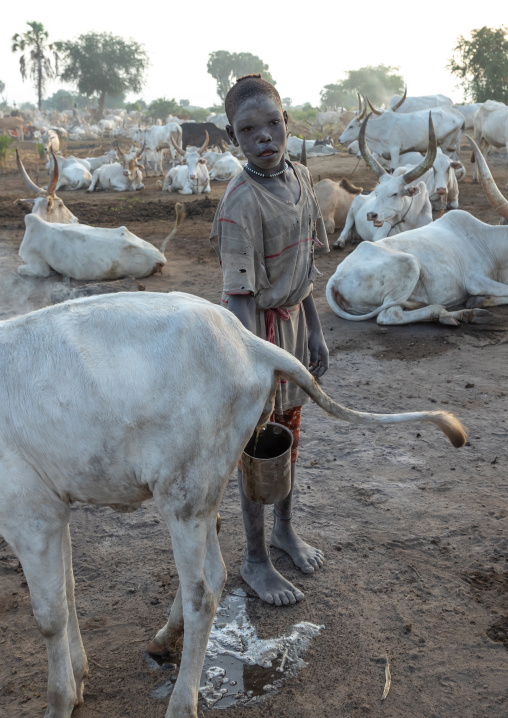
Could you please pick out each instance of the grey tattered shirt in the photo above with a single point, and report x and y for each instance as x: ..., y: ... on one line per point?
x: 266, y: 248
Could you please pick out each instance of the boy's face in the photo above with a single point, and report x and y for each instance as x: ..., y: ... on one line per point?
x: 259, y: 128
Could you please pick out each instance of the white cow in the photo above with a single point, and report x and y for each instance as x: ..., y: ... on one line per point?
x: 220, y: 120
x: 46, y: 204
x: 106, y: 159
x: 73, y: 172
x: 222, y: 166
x: 51, y: 141
x: 441, y: 181
x: 334, y: 199
x: 468, y: 112
x: 396, y: 204
x: 294, y: 146
x: 414, y: 277
x: 392, y: 133
x: 106, y: 128
x: 404, y: 104
x: 158, y: 138
x: 191, y: 177
x: 119, y: 177
x: 491, y: 128
x: 98, y: 407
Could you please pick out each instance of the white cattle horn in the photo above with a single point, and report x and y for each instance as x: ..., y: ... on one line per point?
x: 24, y: 176
x: 366, y: 153
x: 496, y: 199
x: 205, y: 144
x: 400, y: 102
x: 178, y: 149
x: 54, y: 181
x: 122, y: 154
x: 376, y: 112
x: 429, y: 158
x: 362, y: 111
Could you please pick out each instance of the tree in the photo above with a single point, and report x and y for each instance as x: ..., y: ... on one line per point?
x: 377, y: 83
x: 39, y: 58
x: 481, y: 63
x: 104, y: 64
x: 225, y: 67
x: 162, y: 107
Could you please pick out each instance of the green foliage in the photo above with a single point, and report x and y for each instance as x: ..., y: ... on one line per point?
x: 198, y: 115
x: 287, y: 102
x: 225, y: 67
x: 104, y: 64
x: 377, y: 83
x: 334, y: 96
x: 39, y: 58
x: 184, y: 103
x: 307, y: 113
x: 5, y: 143
x: 138, y: 105
x: 162, y: 107
x: 40, y: 150
x: 481, y: 64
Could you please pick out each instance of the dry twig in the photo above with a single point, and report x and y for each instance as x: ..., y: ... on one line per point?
x: 388, y: 679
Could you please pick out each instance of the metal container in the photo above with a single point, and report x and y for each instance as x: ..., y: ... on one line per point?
x: 266, y: 464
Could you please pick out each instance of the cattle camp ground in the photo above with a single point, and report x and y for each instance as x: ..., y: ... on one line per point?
x: 414, y: 531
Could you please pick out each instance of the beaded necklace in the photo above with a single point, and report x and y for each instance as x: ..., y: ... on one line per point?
x: 260, y: 174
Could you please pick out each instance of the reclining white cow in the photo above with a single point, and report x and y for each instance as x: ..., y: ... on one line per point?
x: 441, y: 181
x: 191, y: 177
x: 222, y: 166
x: 124, y: 177
x: 73, y: 173
x: 396, y: 204
x: 80, y: 251
x: 98, y: 405
x: 414, y: 277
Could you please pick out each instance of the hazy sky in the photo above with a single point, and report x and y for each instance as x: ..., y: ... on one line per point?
x: 305, y: 49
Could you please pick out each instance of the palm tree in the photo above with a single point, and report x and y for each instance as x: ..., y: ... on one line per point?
x: 38, y: 57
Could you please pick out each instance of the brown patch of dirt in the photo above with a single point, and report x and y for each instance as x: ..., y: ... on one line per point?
x: 402, y: 517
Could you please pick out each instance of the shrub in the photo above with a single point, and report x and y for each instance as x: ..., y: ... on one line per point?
x: 5, y: 143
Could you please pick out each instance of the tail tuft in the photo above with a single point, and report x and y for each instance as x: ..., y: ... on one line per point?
x: 450, y: 425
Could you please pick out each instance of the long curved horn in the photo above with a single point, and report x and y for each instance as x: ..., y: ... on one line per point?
x: 303, y: 154
x: 376, y: 112
x: 359, y: 104
x: 429, y: 158
x: 178, y: 149
x: 54, y: 181
x: 120, y: 152
x: 136, y: 157
x: 205, y: 144
x: 400, y: 102
x: 496, y: 199
x: 24, y: 175
x: 366, y: 153
x: 361, y: 116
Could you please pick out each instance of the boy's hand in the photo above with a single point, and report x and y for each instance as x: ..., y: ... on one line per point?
x: 318, y: 354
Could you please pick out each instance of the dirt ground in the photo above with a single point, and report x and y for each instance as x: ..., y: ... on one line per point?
x: 414, y: 531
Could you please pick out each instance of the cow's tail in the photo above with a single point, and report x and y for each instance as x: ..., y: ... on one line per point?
x: 290, y: 368
x: 180, y: 216
x: 354, y: 317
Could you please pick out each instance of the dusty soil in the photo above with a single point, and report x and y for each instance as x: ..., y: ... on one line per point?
x: 414, y: 531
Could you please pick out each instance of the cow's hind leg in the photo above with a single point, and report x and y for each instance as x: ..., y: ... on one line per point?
x: 486, y: 292
x: 77, y: 652
x: 202, y: 577
x: 38, y: 535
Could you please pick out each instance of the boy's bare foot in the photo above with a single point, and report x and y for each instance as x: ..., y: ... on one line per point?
x: 268, y: 583
x: 306, y: 557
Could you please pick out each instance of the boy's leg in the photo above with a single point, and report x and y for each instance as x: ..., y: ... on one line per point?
x: 257, y: 569
x: 306, y: 557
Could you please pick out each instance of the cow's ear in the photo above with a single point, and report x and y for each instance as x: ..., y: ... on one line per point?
x: 456, y: 165
x: 202, y: 161
x: 126, y: 173
x: 411, y: 191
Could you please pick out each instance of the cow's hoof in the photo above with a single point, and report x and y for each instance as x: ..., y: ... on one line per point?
x: 155, y: 649
x: 480, y: 316
x: 339, y: 244
x: 447, y: 319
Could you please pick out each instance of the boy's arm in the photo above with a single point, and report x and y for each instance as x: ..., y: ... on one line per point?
x: 243, y: 307
x: 317, y: 346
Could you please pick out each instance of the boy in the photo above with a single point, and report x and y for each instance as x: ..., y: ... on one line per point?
x: 264, y: 232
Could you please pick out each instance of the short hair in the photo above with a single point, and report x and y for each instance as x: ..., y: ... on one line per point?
x: 246, y: 87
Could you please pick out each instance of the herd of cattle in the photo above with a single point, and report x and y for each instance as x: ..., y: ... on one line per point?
x: 93, y: 414
x: 409, y: 267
